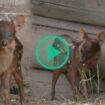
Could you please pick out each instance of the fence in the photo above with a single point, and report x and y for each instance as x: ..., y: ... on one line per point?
x: 13, y: 2
x: 14, y: 7
x: 84, y: 11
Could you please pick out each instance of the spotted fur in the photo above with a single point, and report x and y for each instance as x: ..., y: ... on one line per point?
x: 84, y: 57
x: 11, y: 51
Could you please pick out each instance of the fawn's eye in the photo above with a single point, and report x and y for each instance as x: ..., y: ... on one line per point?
x: 96, y: 59
x: 19, y: 25
x: 82, y: 50
x: 88, y: 52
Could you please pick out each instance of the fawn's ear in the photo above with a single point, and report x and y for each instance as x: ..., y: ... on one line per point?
x: 82, y: 34
x: 101, y: 37
x: 18, y: 21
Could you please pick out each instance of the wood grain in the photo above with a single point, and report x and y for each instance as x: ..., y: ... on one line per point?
x: 84, y: 11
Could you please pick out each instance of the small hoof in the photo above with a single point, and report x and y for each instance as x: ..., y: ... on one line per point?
x: 52, y: 99
x: 24, y: 101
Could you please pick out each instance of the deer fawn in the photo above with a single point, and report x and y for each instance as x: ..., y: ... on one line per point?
x: 84, y: 57
x: 10, y: 56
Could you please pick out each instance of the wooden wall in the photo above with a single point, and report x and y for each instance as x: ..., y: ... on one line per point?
x: 12, y: 2
x: 85, y: 11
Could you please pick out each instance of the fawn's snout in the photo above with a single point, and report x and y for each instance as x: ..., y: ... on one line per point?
x: 4, y: 39
x: 7, y: 32
x: 87, y: 52
x: 4, y: 43
x: 82, y: 59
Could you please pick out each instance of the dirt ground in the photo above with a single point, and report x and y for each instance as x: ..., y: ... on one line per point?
x: 37, y: 83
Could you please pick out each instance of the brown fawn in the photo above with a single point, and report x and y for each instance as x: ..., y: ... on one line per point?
x: 10, y: 56
x: 84, y: 57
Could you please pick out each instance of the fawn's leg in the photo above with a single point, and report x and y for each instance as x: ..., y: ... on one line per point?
x: 56, y: 75
x: 72, y: 78
x: 5, y: 80
x: 84, y: 85
x: 19, y: 79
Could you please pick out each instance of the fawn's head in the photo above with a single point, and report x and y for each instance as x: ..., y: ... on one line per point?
x: 8, y: 30
x: 90, y: 48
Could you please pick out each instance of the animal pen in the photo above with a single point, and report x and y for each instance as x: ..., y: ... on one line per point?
x: 53, y: 17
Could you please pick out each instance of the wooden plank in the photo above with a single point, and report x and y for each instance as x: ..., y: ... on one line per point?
x: 58, y: 2
x: 65, y: 25
x: 59, y: 12
x: 96, y: 5
x: 13, y: 2
x: 67, y: 3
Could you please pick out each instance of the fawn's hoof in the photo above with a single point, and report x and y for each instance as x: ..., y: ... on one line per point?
x: 24, y: 101
x: 52, y: 99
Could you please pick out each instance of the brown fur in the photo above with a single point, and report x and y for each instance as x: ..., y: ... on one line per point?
x: 10, y: 58
x: 84, y: 57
